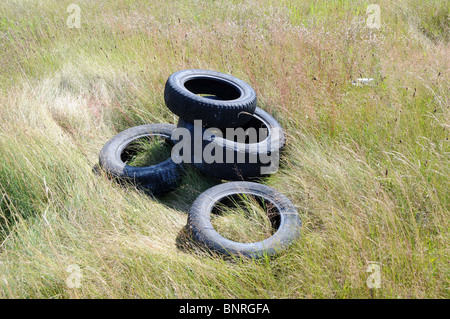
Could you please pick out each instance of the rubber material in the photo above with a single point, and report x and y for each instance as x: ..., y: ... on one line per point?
x: 156, y: 179
x: 232, y: 102
x: 254, y: 157
x: 199, y: 221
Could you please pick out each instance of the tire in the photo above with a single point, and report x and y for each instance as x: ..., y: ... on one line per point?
x: 230, y: 105
x: 156, y: 179
x: 203, y: 232
x: 250, y: 161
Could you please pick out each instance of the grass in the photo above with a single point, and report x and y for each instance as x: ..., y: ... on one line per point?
x: 244, y: 219
x: 367, y: 166
x: 146, y: 151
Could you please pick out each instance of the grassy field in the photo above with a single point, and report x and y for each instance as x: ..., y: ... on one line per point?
x: 367, y: 166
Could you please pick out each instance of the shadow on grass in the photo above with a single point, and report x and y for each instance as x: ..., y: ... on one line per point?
x: 192, y: 185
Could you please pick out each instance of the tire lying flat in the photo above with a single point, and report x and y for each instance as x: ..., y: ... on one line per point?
x: 232, y: 101
x: 199, y: 221
x: 250, y: 160
x: 156, y: 179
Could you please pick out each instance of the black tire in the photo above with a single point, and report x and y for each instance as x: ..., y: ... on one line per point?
x: 232, y: 102
x: 156, y: 179
x: 203, y: 232
x: 250, y: 160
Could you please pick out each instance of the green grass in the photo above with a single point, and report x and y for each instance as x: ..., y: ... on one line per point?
x: 367, y: 166
x: 244, y: 219
x: 147, y: 151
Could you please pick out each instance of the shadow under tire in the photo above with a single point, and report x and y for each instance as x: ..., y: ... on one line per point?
x: 232, y: 102
x: 202, y: 230
x: 155, y: 179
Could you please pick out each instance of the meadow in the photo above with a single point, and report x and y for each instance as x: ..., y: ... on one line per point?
x: 368, y: 166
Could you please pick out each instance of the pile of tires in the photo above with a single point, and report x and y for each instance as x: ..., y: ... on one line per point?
x: 223, y: 134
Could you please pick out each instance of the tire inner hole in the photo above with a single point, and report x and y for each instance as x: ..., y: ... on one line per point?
x: 147, y: 151
x: 245, y: 218
x: 213, y: 89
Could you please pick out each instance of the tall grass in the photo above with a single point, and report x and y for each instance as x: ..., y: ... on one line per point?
x: 367, y: 166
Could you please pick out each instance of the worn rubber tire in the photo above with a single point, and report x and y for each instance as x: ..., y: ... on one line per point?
x: 254, y: 155
x: 156, y: 179
x: 234, y: 100
x: 203, y: 232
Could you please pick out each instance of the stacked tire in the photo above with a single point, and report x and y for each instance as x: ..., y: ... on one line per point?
x: 213, y: 106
